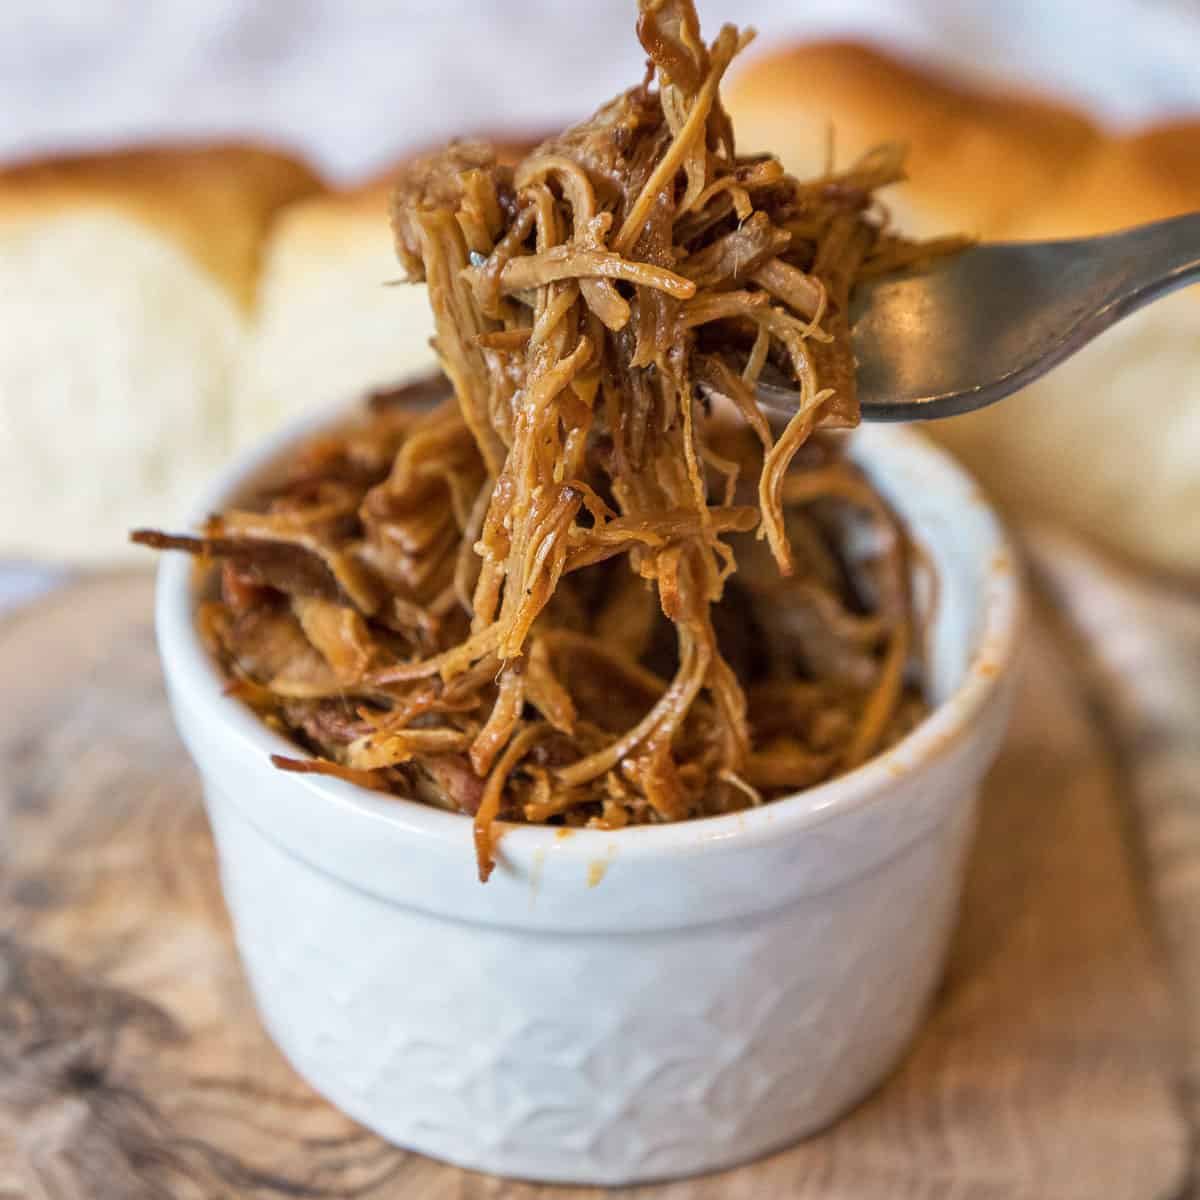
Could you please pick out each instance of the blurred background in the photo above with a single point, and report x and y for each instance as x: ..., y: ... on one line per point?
x: 356, y: 82
x: 161, y: 310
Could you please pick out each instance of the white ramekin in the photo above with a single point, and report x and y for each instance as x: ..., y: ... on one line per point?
x: 611, y: 1007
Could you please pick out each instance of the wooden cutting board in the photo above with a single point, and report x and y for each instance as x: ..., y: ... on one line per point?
x: 132, y: 1064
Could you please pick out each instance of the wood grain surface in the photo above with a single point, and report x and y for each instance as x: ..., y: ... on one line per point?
x: 1053, y: 1065
x: 1136, y: 645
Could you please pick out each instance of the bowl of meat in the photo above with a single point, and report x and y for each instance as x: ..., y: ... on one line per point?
x: 592, y: 762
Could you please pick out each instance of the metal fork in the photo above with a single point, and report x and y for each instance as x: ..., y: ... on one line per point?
x: 977, y: 326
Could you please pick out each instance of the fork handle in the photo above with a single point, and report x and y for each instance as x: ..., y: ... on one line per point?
x: 1160, y: 258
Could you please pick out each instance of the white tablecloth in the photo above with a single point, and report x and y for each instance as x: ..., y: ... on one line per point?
x: 21, y: 582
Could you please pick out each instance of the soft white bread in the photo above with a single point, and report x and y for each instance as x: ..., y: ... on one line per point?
x: 128, y: 288
x: 333, y: 322
x: 1110, y: 441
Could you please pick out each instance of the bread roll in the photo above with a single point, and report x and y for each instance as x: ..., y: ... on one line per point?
x: 974, y: 157
x: 334, y: 322
x: 129, y: 282
x: 1110, y: 441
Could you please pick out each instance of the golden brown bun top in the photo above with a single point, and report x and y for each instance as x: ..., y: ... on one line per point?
x: 216, y: 201
x: 988, y: 163
x: 1129, y: 179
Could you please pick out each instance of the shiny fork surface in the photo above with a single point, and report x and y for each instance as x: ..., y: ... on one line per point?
x: 976, y: 327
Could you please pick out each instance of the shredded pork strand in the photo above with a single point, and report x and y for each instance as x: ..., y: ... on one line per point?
x: 514, y: 595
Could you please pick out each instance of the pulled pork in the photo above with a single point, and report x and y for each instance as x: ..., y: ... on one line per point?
x: 519, y: 600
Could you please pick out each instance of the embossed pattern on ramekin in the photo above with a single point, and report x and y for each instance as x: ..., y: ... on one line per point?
x: 579, y: 1057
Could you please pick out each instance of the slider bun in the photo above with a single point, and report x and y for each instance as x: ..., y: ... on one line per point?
x: 973, y: 156
x: 334, y: 322
x: 129, y: 280
x: 1109, y: 442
